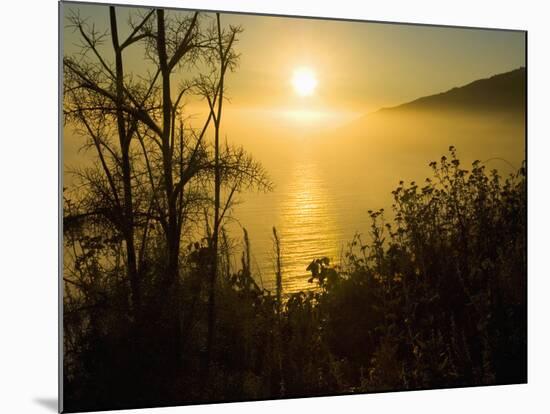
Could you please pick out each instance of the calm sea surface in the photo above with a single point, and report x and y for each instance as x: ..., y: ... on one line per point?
x: 325, y: 183
x: 323, y: 190
x: 313, y: 217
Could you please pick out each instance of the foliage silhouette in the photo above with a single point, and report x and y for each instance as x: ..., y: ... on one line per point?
x: 436, y: 298
x: 155, y: 311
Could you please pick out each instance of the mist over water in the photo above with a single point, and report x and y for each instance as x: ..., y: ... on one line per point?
x: 176, y: 121
x: 327, y: 178
x: 305, y: 210
x: 327, y: 181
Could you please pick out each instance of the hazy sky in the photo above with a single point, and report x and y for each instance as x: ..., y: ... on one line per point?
x: 309, y: 144
x: 359, y: 67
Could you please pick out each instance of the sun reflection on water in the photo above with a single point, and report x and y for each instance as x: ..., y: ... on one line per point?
x: 308, y: 228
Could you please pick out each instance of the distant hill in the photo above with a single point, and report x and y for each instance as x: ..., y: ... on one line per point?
x: 502, y: 92
x: 483, y: 119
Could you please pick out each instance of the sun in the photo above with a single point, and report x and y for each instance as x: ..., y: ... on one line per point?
x: 304, y: 81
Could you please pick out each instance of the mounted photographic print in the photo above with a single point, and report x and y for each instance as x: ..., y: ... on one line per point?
x: 262, y: 207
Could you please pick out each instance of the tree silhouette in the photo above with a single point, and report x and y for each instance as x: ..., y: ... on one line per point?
x: 152, y: 168
x: 157, y: 313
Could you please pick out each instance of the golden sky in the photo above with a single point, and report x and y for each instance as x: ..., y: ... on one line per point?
x: 358, y: 66
x: 303, y: 132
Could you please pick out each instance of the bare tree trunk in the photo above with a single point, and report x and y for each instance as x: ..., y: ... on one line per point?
x: 172, y: 236
x: 171, y: 279
x: 217, y: 188
x: 125, y: 138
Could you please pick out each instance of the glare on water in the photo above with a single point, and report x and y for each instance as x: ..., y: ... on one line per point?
x: 304, y: 211
x: 308, y: 229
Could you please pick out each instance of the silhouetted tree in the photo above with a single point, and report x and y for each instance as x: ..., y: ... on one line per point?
x: 151, y: 174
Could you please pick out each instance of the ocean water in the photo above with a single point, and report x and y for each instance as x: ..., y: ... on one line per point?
x: 308, y: 215
x: 324, y: 185
x: 326, y: 179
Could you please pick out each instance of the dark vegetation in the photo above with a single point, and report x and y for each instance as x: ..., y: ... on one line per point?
x: 154, y: 312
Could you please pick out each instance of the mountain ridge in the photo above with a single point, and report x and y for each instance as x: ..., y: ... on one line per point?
x: 501, y: 92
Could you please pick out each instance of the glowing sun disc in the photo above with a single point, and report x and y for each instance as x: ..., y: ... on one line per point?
x: 304, y: 81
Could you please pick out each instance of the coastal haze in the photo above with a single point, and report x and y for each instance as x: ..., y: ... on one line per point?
x: 338, y: 151
x: 261, y: 207
x: 327, y: 181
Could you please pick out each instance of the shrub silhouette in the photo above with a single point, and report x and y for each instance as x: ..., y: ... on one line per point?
x: 434, y: 297
x: 437, y: 297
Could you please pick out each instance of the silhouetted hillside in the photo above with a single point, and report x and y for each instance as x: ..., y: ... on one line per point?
x: 502, y: 92
x: 485, y: 119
